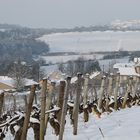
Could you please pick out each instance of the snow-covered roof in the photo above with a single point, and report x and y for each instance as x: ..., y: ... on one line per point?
x: 137, y: 60
x: 29, y: 82
x: 10, y: 82
x: 123, y: 65
x: 57, y: 76
x: 128, y: 71
x: 137, y: 65
x: 93, y: 75
x: 7, y: 80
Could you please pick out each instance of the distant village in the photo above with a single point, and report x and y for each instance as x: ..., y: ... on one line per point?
x: 131, y: 69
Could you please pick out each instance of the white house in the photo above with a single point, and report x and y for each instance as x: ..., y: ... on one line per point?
x: 125, y: 70
x: 7, y: 83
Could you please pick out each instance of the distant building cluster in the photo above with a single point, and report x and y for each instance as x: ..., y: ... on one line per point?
x: 128, y: 69
x: 7, y: 83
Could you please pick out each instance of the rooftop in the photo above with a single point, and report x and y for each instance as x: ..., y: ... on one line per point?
x: 128, y: 71
x: 122, y: 65
x: 10, y: 82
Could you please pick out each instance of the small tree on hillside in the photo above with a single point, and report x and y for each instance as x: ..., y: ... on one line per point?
x: 18, y: 72
x: 61, y: 67
x: 95, y: 66
x: 79, y: 65
x: 35, y: 72
x: 70, y: 68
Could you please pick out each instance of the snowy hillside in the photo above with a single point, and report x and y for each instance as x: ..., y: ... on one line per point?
x: 66, y: 58
x: 131, y: 24
x: 120, y: 125
x: 92, y: 41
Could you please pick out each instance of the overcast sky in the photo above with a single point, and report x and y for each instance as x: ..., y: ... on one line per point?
x: 67, y: 13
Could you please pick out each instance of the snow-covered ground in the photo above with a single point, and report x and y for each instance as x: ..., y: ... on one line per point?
x: 65, y: 58
x: 104, y: 64
x: 120, y: 125
x: 93, y: 41
x: 124, y: 124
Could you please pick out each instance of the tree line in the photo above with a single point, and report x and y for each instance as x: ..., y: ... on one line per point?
x: 72, y: 67
x: 19, y: 43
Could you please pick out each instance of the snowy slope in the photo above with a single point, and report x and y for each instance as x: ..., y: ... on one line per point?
x: 120, y: 125
x: 93, y: 41
x: 66, y: 58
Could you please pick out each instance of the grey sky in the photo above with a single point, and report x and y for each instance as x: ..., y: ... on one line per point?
x: 67, y: 13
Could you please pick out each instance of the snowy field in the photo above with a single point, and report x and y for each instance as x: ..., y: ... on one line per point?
x: 104, y: 64
x: 93, y: 41
x: 65, y: 58
x: 120, y: 125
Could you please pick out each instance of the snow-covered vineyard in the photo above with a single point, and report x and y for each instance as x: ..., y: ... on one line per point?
x: 96, y: 106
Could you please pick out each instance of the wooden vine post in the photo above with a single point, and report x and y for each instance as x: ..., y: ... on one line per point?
x: 53, y: 92
x: 28, y: 112
x: 95, y: 92
x: 61, y: 99
x: 49, y: 102
x: 64, y: 108
x: 93, y: 89
x: 43, y: 107
x: 85, y: 97
x: 101, y: 92
x: 76, y: 103
x: 136, y: 86
x: 116, y: 91
x: 128, y: 91
x: 14, y: 98
x: 131, y: 86
x: 71, y: 92
x: 109, y: 91
x: 35, y: 100
x: 25, y: 101
x: 110, y: 88
x: 1, y: 102
x: 85, y: 90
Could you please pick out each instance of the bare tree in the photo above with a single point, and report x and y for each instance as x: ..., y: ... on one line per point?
x: 61, y: 67
x: 79, y: 65
x: 70, y: 68
x: 18, y: 72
